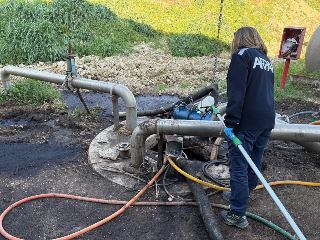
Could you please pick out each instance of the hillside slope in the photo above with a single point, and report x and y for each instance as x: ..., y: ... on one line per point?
x: 269, y: 17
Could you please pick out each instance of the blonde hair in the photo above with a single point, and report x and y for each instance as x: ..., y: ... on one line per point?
x: 247, y: 37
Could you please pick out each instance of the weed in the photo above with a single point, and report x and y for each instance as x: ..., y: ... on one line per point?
x: 3, y: 97
x: 33, y: 31
x: 162, y: 87
x: 200, y: 78
x: 77, y: 112
x: 185, y: 85
x: 86, y: 60
x: 31, y: 92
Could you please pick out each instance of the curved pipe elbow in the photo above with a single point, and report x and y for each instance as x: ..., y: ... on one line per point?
x: 116, y: 89
x: 77, y: 82
x: 138, y: 139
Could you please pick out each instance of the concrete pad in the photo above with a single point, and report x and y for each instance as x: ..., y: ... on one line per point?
x: 104, y: 153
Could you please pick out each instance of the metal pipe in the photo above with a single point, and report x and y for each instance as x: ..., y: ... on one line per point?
x: 137, y: 142
x: 290, y: 132
x: 77, y: 82
x: 312, y: 146
x: 115, y: 104
x: 222, y: 109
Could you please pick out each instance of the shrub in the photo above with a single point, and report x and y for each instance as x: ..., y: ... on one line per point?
x: 31, y: 92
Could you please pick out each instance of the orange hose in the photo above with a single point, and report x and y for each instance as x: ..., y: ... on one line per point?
x: 315, y: 123
x: 89, y: 228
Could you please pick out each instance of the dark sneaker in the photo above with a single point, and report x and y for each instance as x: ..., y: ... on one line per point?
x: 226, y: 195
x: 232, y: 219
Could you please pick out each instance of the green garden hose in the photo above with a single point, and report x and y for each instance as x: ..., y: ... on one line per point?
x: 270, y: 224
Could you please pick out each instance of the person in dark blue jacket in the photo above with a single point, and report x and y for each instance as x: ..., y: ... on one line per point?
x: 250, y: 116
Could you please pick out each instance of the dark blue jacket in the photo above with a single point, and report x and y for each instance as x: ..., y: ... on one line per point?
x: 250, y: 92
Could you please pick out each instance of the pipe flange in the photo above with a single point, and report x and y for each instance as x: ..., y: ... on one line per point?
x: 124, y: 149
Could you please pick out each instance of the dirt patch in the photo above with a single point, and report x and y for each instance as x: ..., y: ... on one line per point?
x: 35, y: 142
x: 40, y: 148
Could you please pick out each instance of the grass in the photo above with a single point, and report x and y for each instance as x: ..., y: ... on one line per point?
x: 33, y: 31
x: 31, y: 92
x: 185, y: 85
x: 290, y: 91
x: 201, y: 17
x: 77, y: 112
x: 192, y: 45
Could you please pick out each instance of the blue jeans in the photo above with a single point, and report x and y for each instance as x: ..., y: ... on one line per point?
x: 242, y: 178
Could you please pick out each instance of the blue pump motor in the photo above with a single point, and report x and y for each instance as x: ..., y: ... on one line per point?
x: 184, y: 113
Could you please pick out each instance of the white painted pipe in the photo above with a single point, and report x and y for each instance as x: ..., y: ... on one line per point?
x: 77, y: 82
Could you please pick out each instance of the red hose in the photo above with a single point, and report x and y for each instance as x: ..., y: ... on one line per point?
x: 315, y: 123
x: 89, y: 228
x: 284, y: 52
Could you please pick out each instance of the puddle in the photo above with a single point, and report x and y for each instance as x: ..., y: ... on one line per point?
x: 144, y: 102
x: 26, y: 159
x: 10, y: 122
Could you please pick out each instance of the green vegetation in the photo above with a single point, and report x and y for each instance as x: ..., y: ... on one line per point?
x: 290, y: 91
x: 31, y: 92
x: 40, y: 30
x: 192, y: 45
x: 185, y: 85
x: 269, y: 17
x: 33, y: 31
x: 77, y: 112
x: 162, y: 87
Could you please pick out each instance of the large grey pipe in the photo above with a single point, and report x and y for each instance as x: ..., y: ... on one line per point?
x: 77, y: 82
x: 290, y: 132
x: 312, y: 146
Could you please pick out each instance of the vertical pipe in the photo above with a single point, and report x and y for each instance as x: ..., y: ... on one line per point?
x: 115, y: 104
x: 284, y: 74
x: 160, y: 151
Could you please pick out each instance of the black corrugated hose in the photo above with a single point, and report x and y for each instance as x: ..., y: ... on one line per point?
x: 203, y: 202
